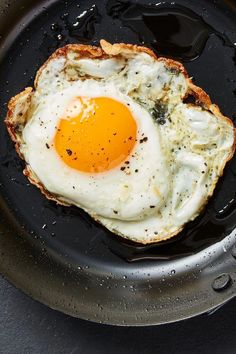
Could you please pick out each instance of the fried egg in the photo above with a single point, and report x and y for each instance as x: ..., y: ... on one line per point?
x: 109, y: 130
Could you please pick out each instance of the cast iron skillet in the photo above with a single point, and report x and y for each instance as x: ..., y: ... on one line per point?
x: 62, y: 258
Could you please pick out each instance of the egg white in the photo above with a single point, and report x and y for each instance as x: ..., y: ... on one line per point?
x: 196, y: 147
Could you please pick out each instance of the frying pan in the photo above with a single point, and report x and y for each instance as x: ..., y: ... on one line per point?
x: 59, y: 255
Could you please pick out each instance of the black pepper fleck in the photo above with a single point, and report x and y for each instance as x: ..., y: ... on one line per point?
x: 143, y: 140
x: 69, y: 152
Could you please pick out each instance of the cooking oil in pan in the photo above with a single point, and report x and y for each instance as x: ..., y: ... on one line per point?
x: 169, y: 29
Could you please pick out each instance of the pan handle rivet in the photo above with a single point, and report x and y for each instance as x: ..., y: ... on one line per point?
x: 222, y: 282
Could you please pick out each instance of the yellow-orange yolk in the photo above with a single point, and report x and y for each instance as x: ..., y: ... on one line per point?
x: 96, y: 134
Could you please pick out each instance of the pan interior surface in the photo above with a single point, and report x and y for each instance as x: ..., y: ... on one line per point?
x: 59, y: 255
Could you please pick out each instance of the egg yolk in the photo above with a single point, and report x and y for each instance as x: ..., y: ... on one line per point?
x: 96, y: 134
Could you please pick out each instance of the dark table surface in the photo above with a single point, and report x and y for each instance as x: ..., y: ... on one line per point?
x: 27, y: 327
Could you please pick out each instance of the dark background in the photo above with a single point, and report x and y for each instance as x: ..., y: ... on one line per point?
x: 27, y: 327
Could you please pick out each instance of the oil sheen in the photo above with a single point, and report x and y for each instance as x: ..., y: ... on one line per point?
x: 169, y: 29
